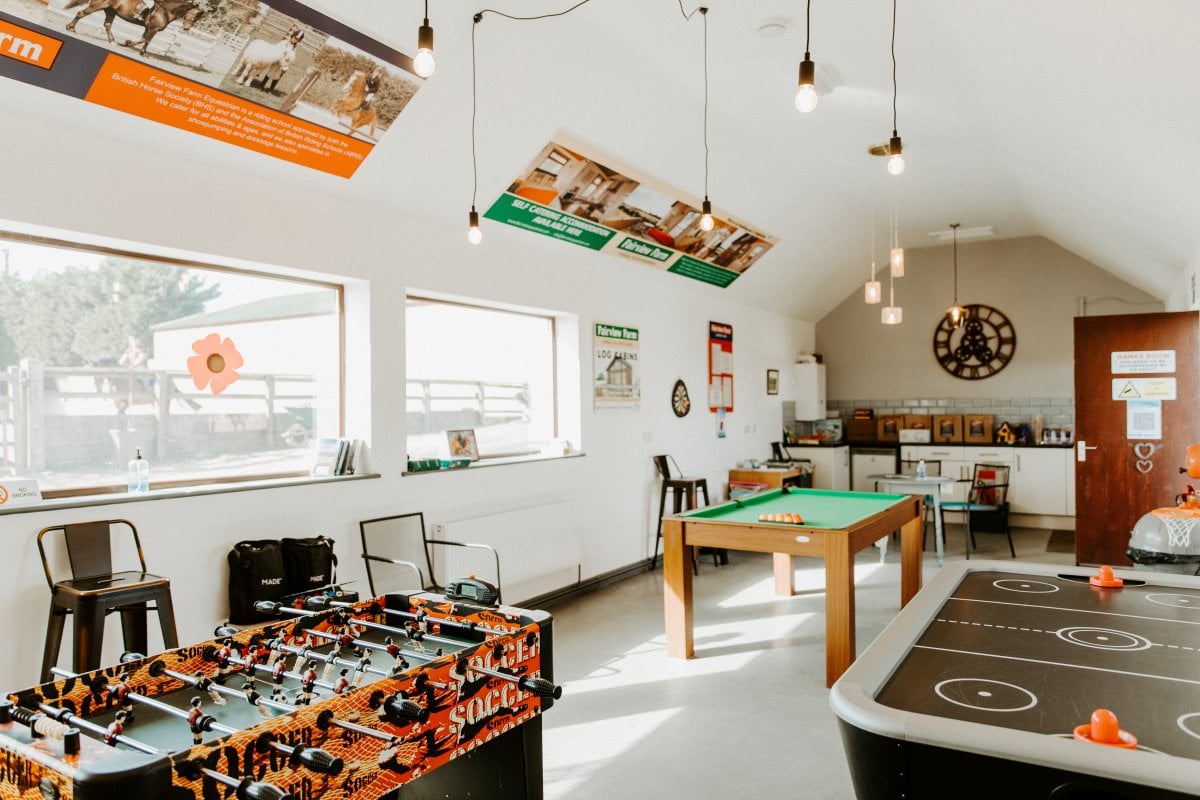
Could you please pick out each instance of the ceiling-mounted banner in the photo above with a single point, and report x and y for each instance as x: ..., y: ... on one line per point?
x: 574, y: 193
x: 278, y: 78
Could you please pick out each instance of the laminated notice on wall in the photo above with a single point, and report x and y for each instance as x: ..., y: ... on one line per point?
x: 1143, y: 419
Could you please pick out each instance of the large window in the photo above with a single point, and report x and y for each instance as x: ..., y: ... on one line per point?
x: 489, y: 370
x: 211, y: 373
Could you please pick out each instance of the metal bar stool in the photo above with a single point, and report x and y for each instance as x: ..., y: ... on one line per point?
x: 683, y: 494
x: 94, y: 591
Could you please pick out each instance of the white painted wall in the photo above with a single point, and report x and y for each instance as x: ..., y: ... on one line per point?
x: 1038, y: 285
x: 227, y: 217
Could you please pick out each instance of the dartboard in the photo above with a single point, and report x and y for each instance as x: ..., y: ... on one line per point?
x: 681, y: 404
x: 979, y: 347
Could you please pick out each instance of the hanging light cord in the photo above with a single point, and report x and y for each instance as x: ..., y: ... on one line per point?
x: 894, y: 89
x: 704, y: 13
x: 955, y: 227
x: 808, y: 27
x: 426, y: 9
x: 474, y: 161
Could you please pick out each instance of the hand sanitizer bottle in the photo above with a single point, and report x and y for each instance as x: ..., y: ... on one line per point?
x: 139, y: 473
x: 921, y: 469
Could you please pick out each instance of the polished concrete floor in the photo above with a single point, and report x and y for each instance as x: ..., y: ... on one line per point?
x: 749, y: 717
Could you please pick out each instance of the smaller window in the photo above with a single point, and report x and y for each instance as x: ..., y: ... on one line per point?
x: 489, y: 370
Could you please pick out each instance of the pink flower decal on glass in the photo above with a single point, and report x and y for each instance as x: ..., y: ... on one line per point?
x: 215, y: 364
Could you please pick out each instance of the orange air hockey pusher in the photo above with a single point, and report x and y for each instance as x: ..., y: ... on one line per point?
x: 413, y: 692
x: 1005, y: 680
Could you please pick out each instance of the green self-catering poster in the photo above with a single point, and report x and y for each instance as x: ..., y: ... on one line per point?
x: 575, y: 194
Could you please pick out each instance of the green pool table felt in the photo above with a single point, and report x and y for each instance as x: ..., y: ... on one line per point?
x: 820, y: 508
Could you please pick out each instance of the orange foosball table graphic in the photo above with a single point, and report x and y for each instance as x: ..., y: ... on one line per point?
x: 334, y: 702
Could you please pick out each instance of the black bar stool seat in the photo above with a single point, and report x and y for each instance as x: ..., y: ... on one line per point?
x: 94, y: 591
x: 683, y: 498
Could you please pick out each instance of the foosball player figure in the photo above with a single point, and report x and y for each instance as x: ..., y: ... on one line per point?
x: 301, y: 640
x: 343, y: 682
x: 254, y: 655
x: 224, y: 657
x: 360, y: 669
x: 340, y: 644
x: 121, y: 691
x: 277, y: 670
x: 273, y: 650
x: 395, y: 652
x: 254, y: 699
x: 115, y: 728
x: 205, y: 684
x: 308, y: 679
x: 194, y: 717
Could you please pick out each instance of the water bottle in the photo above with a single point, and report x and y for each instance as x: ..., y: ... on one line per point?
x: 921, y: 469
x: 139, y: 473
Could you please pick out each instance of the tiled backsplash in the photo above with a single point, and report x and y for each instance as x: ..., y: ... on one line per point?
x: 1056, y: 412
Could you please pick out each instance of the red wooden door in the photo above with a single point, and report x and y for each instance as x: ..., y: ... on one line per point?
x: 1129, y: 472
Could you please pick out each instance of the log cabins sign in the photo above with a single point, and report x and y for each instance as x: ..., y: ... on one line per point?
x: 574, y: 193
x: 287, y: 82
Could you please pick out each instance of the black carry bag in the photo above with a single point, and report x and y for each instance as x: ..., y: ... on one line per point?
x: 255, y: 573
x: 309, y: 564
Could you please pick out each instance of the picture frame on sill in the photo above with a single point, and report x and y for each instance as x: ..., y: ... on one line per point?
x: 772, y: 381
x: 462, y: 444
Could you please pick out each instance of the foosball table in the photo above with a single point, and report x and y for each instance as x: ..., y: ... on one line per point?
x: 336, y: 701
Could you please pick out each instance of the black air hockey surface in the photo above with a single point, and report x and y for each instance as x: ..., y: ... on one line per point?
x: 986, y: 674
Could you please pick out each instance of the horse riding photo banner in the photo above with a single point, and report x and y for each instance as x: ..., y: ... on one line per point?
x: 574, y: 193
x: 277, y: 78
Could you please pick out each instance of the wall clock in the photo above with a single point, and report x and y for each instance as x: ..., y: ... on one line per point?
x: 979, y: 348
x: 681, y: 404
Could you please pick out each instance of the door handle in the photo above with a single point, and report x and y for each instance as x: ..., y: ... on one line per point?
x: 1081, y: 448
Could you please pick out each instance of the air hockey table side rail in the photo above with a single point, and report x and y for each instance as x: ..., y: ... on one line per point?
x: 477, y: 723
x: 894, y: 753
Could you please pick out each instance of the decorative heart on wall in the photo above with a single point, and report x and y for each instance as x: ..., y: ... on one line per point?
x: 1144, y: 450
x: 1143, y: 466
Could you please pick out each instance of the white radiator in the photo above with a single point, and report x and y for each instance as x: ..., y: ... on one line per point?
x: 539, y: 548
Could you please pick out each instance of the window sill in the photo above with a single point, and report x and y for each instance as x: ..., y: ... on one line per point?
x: 493, y: 462
x: 88, y: 501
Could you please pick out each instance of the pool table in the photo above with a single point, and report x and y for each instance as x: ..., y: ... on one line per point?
x: 836, y: 526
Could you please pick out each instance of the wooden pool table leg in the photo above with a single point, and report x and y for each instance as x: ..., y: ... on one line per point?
x: 910, y: 555
x: 839, y: 607
x: 677, y: 591
x: 785, y: 576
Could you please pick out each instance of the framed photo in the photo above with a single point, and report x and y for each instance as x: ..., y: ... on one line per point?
x: 772, y: 381
x: 462, y: 444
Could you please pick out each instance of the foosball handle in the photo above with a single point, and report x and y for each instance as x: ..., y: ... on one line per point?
x: 540, y: 687
x: 320, y: 761
x: 225, y: 631
x: 268, y: 607
x: 399, y: 710
x: 317, y: 602
x: 258, y: 790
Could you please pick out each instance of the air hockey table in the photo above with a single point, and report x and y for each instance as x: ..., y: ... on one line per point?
x: 977, y: 687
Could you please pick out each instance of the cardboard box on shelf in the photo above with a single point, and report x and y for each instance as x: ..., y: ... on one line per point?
x: 947, y: 427
x: 887, y: 427
x: 860, y: 430
x: 920, y: 422
x: 977, y: 428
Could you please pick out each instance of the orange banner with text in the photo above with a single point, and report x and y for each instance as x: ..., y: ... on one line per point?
x: 136, y: 89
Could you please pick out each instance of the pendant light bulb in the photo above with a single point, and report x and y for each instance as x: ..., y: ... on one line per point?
x: 474, y: 234
x: 897, y: 262
x: 895, y: 164
x: 873, y: 292
x: 423, y: 64
x: 806, y: 96
x: 955, y: 313
x: 891, y: 315
x: 706, y: 217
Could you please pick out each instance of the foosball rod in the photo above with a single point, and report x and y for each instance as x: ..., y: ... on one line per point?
x: 314, y: 758
x: 321, y: 602
x: 271, y: 607
x: 329, y: 657
x: 246, y: 788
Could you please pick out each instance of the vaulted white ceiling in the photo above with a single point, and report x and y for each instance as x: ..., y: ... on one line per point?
x: 1071, y: 119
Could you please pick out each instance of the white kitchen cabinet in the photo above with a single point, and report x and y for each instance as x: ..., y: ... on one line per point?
x: 867, y: 462
x: 831, y: 465
x: 1042, y: 482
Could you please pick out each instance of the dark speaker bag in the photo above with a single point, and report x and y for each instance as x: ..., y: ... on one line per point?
x: 309, y: 564
x: 255, y: 573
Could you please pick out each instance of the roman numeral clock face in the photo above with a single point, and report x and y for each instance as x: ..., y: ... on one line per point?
x: 981, y: 346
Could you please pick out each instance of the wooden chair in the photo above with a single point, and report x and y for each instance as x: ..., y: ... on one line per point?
x: 95, y: 590
x: 403, y: 538
x: 986, y: 506
x: 683, y: 494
